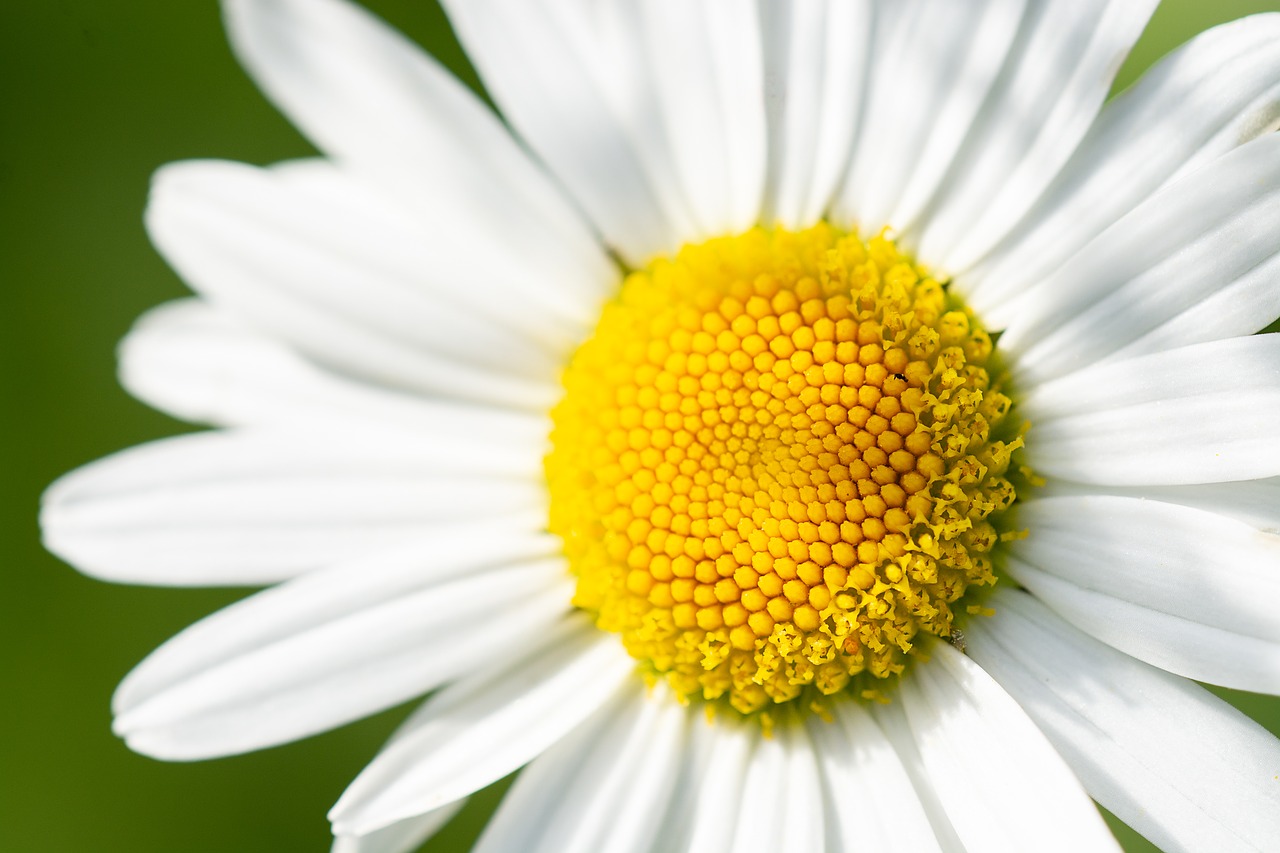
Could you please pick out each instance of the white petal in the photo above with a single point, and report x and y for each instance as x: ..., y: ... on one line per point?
x: 356, y: 293
x: 1195, y: 263
x: 539, y: 790
x: 478, y: 730
x: 1253, y: 502
x: 1001, y: 783
x: 257, y: 507
x: 1176, y: 763
x: 934, y: 63
x: 614, y: 796
x: 1218, y: 91
x: 707, y: 70
x: 1050, y: 90
x: 377, y: 104
x: 816, y: 57
x: 1199, y: 414
x: 1185, y: 590
x: 577, y: 102
x: 403, y: 837
x: 652, y: 115
x: 782, y: 804
x: 892, y: 719
x: 872, y: 801
x: 708, y: 801
x: 198, y: 363
x: 340, y: 644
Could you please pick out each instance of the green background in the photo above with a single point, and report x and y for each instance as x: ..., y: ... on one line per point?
x: 94, y: 96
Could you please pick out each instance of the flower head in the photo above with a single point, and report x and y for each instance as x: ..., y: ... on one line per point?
x: 803, y: 426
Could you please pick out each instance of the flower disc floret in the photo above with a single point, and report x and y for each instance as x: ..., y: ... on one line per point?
x: 777, y: 462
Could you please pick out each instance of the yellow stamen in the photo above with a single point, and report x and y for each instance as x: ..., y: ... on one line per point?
x: 778, y: 461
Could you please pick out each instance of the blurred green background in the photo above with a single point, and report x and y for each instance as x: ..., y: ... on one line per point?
x: 94, y: 97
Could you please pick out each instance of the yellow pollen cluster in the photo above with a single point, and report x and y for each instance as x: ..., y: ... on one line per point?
x: 777, y: 462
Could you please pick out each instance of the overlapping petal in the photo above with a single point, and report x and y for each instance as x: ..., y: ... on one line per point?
x: 1183, y: 589
x: 650, y: 114
x: 377, y: 105
x: 342, y: 643
x: 1220, y: 90
x: 479, y: 729
x: 1181, y: 766
x: 1000, y: 782
x: 1197, y: 414
x: 256, y: 507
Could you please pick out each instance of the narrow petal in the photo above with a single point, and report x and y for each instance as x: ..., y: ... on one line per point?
x: 892, y: 719
x: 616, y: 791
x: 351, y: 290
x: 215, y: 509
x: 1000, y: 781
x: 1199, y: 414
x: 403, y: 837
x: 708, y: 801
x: 478, y: 730
x: 200, y: 364
x: 539, y: 790
x: 380, y: 106
x: 1185, y: 590
x: 657, y: 152
x: 782, y: 805
x: 1216, y: 92
x: 549, y: 73
x: 1195, y: 263
x: 870, y: 798
x: 934, y: 63
x: 340, y: 644
x: 708, y: 73
x: 1253, y: 502
x: 1053, y: 83
x: 816, y: 58
x: 1176, y: 763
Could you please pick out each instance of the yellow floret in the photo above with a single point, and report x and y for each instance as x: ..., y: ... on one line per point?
x: 777, y: 463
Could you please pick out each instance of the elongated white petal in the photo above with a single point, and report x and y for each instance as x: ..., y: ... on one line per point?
x: 478, y: 730
x: 538, y: 791
x: 1176, y: 763
x: 1186, y: 590
x: 616, y: 790
x: 403, y: 837
x: 707, y: 70
x: 892, y: 719
x: 257, y: 507
x: 198, y: 363
x: 353, y: 292
x: 816, y: 58
x: 1253, y: 502
x: 1000, y: 781
x: 1195, y: 263
x: 550, y: 74
x: 708, y: 800
x: 1199, y: 414
x: 338, y: 645
x: 871, y: 800
x: 380, y: 106
x: 782, y: 806
x: 1052, y: 85
x: 934, y: 63
x: 1218, y: 91
x: 320, y: 599
x: 652, y: 115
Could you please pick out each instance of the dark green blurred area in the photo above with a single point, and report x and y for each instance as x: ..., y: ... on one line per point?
x: 95, y: 96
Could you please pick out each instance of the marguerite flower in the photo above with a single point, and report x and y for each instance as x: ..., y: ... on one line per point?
x: 666, y: 435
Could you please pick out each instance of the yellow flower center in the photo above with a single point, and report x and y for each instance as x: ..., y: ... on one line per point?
x: 777, y: 462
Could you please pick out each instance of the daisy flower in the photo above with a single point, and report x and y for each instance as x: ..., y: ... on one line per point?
x: 790, y: 426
